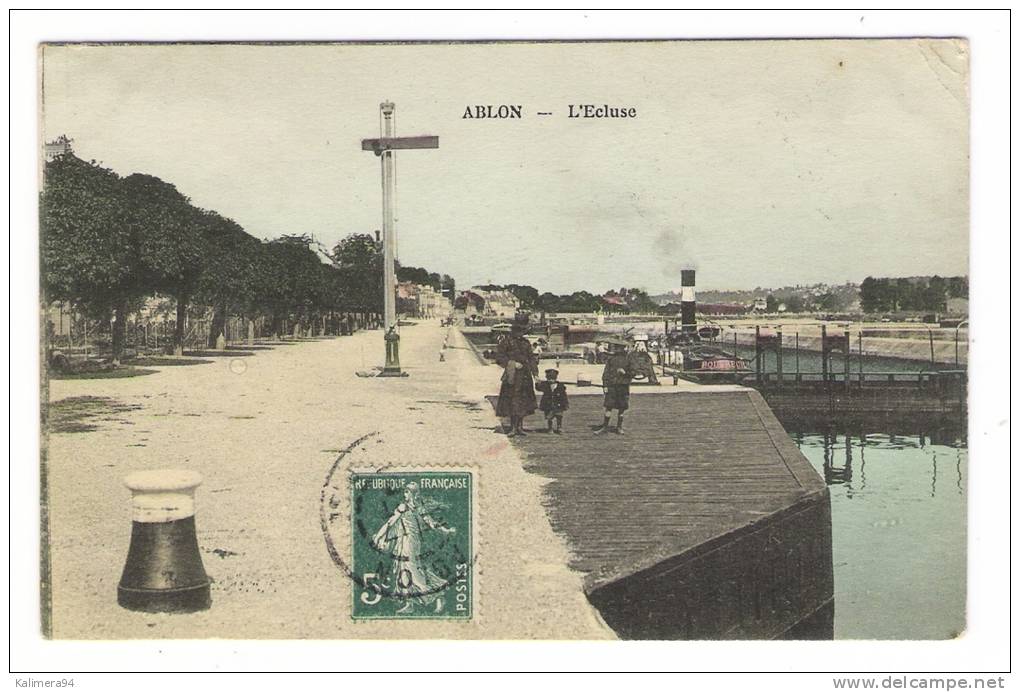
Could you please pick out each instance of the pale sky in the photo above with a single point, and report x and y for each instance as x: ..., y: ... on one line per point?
x: 759, y: 163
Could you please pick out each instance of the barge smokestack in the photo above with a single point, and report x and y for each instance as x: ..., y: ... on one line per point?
x: 688, y: 323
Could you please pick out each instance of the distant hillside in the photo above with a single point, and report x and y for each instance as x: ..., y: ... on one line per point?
x: 799, y: 298
x: 873, y: 295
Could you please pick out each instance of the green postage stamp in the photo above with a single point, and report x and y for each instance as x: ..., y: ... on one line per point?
x: 411, y: 554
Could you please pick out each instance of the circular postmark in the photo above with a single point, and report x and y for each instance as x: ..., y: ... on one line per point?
x: 238, y: 366
x: 331, y: 504
x: 409, y: 534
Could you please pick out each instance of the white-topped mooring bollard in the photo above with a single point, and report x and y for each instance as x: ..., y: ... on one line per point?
x: 164, y: 571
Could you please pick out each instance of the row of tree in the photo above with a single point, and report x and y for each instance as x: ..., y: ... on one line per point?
x: 916, y: 294
x: 829, y: 301
x: 423, y: 277
x: 108, y: 243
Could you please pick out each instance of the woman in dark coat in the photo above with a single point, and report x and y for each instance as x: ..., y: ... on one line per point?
x: 517, y: 388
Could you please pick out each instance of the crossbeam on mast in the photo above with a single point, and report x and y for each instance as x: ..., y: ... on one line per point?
x: 382, y: 144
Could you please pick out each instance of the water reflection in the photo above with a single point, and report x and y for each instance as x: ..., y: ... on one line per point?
x: 898, y: 497
x: 843, y: 455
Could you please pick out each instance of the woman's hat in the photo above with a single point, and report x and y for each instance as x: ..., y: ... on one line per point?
x: 552, y: 371
x: 615, y: 341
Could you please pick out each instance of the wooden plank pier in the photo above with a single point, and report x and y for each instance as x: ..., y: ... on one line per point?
x: 704, y: 521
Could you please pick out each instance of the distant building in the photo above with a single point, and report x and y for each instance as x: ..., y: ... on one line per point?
x: 58, y: 147
x: 432, y: 303
x: 470, y: 303
x: 614, y: 304
x: 421, y: 301
x: 407, y: 298
x: 502, y: 304
x: 760, y: 305
x: 478, y: 301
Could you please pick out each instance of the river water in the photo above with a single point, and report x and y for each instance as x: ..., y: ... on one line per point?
x: 899, y: 514
x: 899, y: 540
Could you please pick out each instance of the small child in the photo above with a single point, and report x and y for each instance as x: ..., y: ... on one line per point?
x: 554, y: 400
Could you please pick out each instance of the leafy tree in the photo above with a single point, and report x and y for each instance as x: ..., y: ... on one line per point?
x: 922, y: 294
x: 548, y: 302
x: 828, y: 302
x: 639, y: 301
x: 331, y: 289
x: 903, y: 294
x: 877, y: 295
x: 527, y: 295
x: 447, y: 286
x: 957, y: 287
x: 172, y: 241
x: 89, y: 251
x: 418, y: 275
x: 934, y: 296
x: 581, y: 301
x: 290, y: 287
x: 229, y: 278
x: 360, y: 261
x: 795, y: 303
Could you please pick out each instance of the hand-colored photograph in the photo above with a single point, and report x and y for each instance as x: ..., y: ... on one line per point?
x: 590, y: 340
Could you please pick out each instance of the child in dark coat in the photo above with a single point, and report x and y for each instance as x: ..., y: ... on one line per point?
x: 554, y: 400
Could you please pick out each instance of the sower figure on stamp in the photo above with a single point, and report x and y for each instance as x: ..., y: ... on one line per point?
x: 616, y: 379
x: 517, y: 385
x: 401, y: 537
x: 554, y: 400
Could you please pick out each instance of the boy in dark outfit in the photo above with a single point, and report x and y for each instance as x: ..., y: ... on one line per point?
x: 554, y: 400
x: 616, y: 379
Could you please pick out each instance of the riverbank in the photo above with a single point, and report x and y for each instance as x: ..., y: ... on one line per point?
x: 940, y: 351
x: 904, y: 341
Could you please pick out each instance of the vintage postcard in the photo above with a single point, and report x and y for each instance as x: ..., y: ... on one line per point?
x: 653, y: 340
